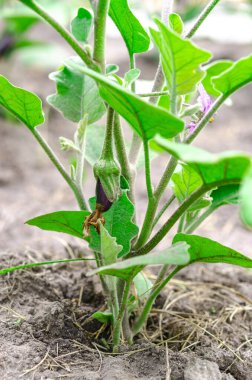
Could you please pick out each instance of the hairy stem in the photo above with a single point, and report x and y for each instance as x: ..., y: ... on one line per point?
x: 118, y: 322
x: 148, y: 170
x: 107, y: 149
x: 178, y: 213
x: 54, y: 159
x: 163, y: 209
x: 126, y: 170
x: 100, y: 33
x: 206, y: 11
x: 82, y: 53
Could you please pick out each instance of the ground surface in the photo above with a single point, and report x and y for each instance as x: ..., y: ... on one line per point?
x: 204, y: 328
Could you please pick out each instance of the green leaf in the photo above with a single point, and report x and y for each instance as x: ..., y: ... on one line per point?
x: 77, y: 94
x: 118, y: 223
x: 68, y: 222
x: 213, y: 168
x: 24, y: 105
x: 176, y: 23
x: 237, y: 76
x: 109, y: 248
x: 246, y: 199
x: 146, y: 119
x: 209, y: 251
x: 143, y: 285
x: 131, y: 76
x: 185, y: 181
x: 181, y: 60
x: 175, y: 255
x: 225, y: 195
x: 81, y: 25
x: 134, y: 35
x: 105, y: 317
x: 214, y: 69
x: 19, y: 21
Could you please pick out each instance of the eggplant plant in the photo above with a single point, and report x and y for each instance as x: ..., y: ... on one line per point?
x: 188, y: 90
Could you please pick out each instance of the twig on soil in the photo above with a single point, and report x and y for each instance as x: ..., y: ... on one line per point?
x: 168, y: 368
x: 100, y: 356
x: 37, y: 365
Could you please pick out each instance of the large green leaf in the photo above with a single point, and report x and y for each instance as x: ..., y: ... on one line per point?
x: 24, y: 105
x: 181, y: 60
x: 77, y: 94
x: 134, y: 35
x: 118, y: 223
x: 109, y: 247
x: 146, y: 119
x: 246, y: 199
x: 214, y: 69
x: 81, y: 25
x: 68, y: 222
x: 209, y: 251
x: 238, y: 75
x: 175, y: 255
x: 213, y: 168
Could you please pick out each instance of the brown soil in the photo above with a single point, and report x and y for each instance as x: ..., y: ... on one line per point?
x: 201, y: 326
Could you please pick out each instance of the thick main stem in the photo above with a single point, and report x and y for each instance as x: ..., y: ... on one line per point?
x: 118, y: 322
x: 100, y: 33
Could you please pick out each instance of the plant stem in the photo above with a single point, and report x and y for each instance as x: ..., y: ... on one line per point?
x: 100, y: 33
x: 204, y: 121
x: 191, y: 227
x: 208, y: 9
x: 178, y: 213
x: 147, y: 170
x: 141, y: 320
x: 126, y: 170
x: 63, y: 32
x: 107, y: 149
x: 163, y: 209
x: 118, y: 322
x: 153, y: 94
x: 54, y: 159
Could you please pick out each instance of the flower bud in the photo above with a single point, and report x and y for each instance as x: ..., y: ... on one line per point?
x: 108, y: 172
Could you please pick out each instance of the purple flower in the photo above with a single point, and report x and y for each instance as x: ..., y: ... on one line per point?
x: 191, y: 127
x: 204, y: 99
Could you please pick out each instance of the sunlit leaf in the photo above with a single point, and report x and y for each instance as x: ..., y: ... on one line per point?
x: 175, y: 255
x: 214, y: 69
x: 185, y: 181
x: 176, y: 23
x: 181, y: 60
x: 68, y: 222
x: 237, y: 76
x: 246, y: 199
x: 206, y: 250
x: 131, y: 76
x: 213, y: 168
x: 146, y: 119
x: 134, y: 35
x: 109, y: 247
x: 81, y: 25
x: 24, y: 105
x: 77, y: 94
